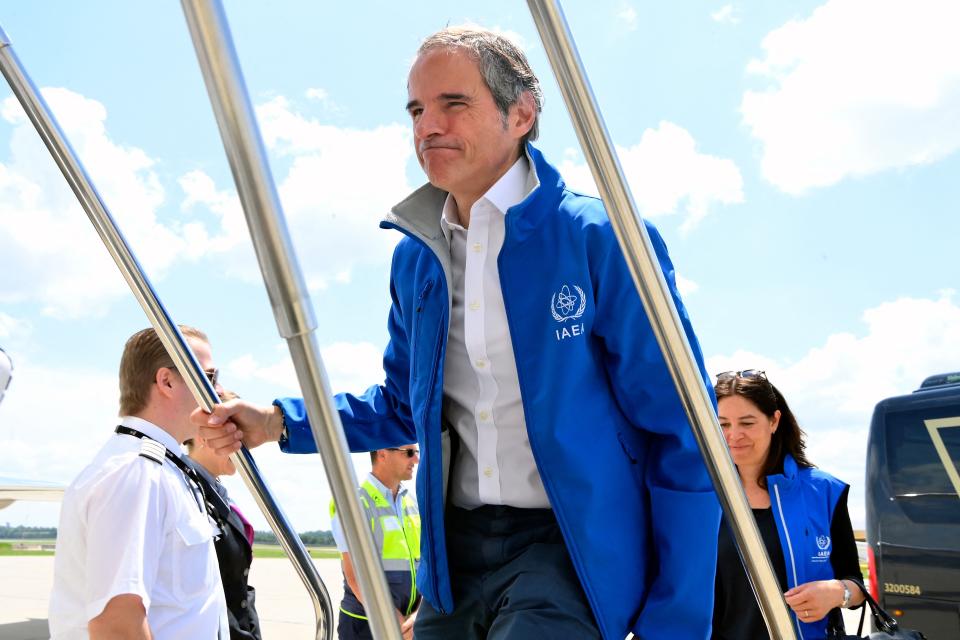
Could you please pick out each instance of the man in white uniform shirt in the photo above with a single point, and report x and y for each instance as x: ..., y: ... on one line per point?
x: 135, y: 555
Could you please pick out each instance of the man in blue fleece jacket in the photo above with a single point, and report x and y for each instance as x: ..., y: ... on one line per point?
x: 561, y: 489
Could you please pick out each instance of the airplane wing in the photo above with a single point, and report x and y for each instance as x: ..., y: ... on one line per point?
x: 13, y: 489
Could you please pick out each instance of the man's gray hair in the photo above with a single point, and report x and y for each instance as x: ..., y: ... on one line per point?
x: 503, y: 65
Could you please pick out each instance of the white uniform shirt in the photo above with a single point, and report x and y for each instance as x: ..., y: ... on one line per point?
x: 131, y: 526
x: 481, y: 389
x: 337, y: 529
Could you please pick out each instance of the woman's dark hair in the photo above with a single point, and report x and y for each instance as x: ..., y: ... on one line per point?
x: 788, y: 438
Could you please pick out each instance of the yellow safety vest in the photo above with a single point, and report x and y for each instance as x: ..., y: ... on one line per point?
x: 398, y: 541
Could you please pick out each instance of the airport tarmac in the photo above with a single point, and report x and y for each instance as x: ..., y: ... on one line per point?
x: 282, y: 602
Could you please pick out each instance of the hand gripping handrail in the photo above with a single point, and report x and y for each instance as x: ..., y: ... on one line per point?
x: 638, y: 252
x: 183, y: 357
x: 288, y: 294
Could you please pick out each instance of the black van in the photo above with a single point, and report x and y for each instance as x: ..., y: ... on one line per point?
x: 913, y: 507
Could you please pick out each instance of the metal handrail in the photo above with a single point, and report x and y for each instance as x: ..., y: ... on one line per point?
x: 181, y: 353
x: 288, y: 294
x: 658, y: 303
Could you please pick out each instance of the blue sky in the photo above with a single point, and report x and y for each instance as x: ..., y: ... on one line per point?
x: 799, y: 158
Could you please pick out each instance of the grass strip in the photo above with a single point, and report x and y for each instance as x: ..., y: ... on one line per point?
x: 272, y: 551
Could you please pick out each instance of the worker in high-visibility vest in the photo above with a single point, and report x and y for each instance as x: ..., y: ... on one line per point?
x: 395, y: 521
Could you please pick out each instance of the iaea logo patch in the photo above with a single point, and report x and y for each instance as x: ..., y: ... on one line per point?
x: 567, y: 305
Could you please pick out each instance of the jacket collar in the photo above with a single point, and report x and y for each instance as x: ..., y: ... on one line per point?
x: 790, y: 471
x: 420, y: 212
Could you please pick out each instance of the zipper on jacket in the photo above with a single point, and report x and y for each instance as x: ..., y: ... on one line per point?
x: 793, y: 564
x: 433, y: 375
x: 430, y: 386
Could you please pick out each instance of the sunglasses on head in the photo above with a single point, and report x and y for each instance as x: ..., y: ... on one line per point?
x: 410, y: 452
x: 746, y: 374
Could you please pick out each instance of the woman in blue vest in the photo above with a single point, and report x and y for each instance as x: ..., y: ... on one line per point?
x: 801, y: 513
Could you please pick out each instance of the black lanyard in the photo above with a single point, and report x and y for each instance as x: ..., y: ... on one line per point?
x: 193, y: 479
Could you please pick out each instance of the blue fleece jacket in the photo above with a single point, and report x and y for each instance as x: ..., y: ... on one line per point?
x: 609, y: 435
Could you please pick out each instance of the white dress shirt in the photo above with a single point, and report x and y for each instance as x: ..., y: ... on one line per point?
x: 481, y: 389
x: 131, y: 526
x: 337, y: 529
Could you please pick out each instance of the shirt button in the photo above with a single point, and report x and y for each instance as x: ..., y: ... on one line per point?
x: 484, y: 415
x: 246, y: 571
x: 243, y: 604
x: 477, y: 247
x: 474, y: 305
x: 488, y: 472
x: 481, y: 364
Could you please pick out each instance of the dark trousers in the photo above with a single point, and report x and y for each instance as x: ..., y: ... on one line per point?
x: 350, y: 628
x: 512, y: 579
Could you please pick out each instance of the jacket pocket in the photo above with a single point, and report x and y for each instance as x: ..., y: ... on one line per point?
x: 418, y: 310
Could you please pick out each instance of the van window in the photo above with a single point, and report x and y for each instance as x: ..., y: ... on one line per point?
x: 918, y: 476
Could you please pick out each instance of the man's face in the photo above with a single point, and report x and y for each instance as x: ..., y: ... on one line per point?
x: 186, y: 403
x: 399, y: 462
x: 463, y: 142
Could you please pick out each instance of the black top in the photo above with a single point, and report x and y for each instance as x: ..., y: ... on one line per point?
x: 234, y: 556
x: 736, y: 615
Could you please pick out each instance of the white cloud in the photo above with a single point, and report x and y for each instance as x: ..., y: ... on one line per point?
x: 628, y: 16
x: 322, y: 96
x: 297, y: 481
x: 232, y: 244
x: 685, y: 286
x: 339, y: 185
x: 858, y: 87
x: 667, y: 175
x: 11, y: 327
x: 299, y: 484
x: 53, y: 449
x: 341, y: 182
x: 351, y: 366
x: 46, y: 238
x: 727, y: 14
x: 834, y: 387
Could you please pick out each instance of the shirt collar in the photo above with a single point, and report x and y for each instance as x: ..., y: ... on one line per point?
x: 382, y: 488
x: 152, y: 430
x: 511, y: 189
x: 513, y: 186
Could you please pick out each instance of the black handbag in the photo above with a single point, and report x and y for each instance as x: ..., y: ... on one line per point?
x: 887, y: 627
